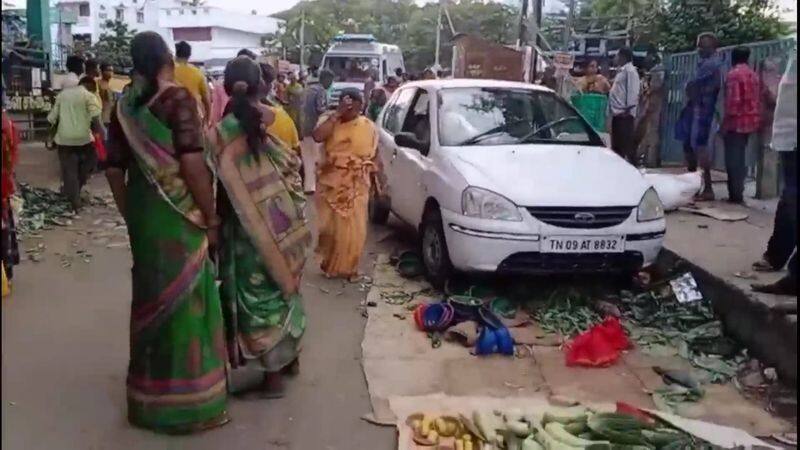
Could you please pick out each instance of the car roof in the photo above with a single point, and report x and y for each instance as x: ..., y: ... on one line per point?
x: 474, y: 82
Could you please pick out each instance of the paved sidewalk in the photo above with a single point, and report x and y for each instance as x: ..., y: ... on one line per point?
x: 722, y: 254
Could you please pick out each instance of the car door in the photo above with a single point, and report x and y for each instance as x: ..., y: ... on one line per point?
x: 391, y: 122
x: 410, y: 163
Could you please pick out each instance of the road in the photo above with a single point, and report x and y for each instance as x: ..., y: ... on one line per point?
x: 65, y: 355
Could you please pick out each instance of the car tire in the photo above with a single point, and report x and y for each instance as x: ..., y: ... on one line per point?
x: 379, y: 209
x: 433, y: 248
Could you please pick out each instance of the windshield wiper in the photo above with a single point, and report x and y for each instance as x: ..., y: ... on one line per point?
x: 498, y: 129
x: 547, y: 126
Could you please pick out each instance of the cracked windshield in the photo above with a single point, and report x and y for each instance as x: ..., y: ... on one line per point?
x: 399, y: 225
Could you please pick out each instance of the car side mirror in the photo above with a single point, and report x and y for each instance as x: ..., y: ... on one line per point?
x: 406, y: 139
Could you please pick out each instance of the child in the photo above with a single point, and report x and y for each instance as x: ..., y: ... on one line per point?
x: 90, y: 85
x: 377, y: 100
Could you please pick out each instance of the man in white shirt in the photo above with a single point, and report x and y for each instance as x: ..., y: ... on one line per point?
x: 782, y: 244
x: 623, y: 101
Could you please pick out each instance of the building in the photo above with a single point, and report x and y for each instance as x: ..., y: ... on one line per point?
x: 139, y: 15
x: 215, y: 34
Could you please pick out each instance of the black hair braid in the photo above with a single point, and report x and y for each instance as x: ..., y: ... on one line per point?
x: 242, y: 80
x: 150, y: 54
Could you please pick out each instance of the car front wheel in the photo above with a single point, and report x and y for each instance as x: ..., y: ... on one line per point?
x: 434, y: 251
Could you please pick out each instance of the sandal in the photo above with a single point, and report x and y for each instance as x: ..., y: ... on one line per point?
x: 437, y: 317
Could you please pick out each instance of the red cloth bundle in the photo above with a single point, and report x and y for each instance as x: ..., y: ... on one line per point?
x: 99, y: 147
x: 599, y: 346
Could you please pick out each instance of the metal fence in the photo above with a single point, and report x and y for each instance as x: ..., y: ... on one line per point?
x: 680, y: 68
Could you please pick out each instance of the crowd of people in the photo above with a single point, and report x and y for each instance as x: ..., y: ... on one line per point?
x: 208, y: 180
x: 212, y: 180
x: 184, y: 329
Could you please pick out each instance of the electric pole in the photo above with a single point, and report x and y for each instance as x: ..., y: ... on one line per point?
x: 568, y: 24
x: 537, y: 25
x: 302, y: 38
x: 523, y: 25
x: 438, y: 35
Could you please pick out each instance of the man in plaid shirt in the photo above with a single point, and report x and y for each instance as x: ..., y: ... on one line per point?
x: 742, y: 118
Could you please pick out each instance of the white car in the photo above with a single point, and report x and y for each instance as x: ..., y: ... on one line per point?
x: 507, y: 177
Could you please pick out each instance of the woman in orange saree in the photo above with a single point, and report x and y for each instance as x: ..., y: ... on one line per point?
x: 343, y: 184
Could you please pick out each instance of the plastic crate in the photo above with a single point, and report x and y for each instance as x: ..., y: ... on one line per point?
x: 593, y: 108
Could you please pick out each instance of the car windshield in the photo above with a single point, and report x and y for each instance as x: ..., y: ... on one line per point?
x: 503, y: 116
x: 352, y: 68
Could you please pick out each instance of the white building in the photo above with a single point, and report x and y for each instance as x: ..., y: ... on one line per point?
x: 215, y: 34
x: 139, y: 15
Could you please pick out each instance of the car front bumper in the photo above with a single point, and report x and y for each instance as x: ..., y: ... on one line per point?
x: 480, y: 245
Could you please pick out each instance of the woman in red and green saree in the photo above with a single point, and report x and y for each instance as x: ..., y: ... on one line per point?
x: 176, y: 376
x: 264, y: 236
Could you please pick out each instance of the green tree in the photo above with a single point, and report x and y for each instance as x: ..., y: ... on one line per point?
x: 114, y: 44
x: 733, y: 21
x: 400, y: 22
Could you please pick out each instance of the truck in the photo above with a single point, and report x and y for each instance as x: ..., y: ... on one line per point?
x: 353, y: 58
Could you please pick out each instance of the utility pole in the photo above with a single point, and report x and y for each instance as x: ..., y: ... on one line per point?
x: 302, y: 38
x: 537, y: 26
x: 438, y: 35
x: 523, y: 25
x: 568, y: 24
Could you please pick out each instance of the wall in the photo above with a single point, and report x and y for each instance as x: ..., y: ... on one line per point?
x: 680, y: 68
x: 230, y: 31
x: 209, y: 16
x: 102, y: 10
x: 224, y: 45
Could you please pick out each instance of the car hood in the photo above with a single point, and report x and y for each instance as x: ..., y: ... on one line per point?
x: 551, y: 175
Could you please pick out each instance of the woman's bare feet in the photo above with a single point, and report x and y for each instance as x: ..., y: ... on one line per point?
x: 293, y: 369
x: 273, y: 385
x: 764, y: 266
x: 705, y: 196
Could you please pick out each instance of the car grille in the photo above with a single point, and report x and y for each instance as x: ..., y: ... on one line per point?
x: 527, y: 263
x: 581, y: 217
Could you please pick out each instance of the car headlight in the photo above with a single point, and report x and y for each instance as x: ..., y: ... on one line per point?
x: 650, y: 208
x: 477, y: 202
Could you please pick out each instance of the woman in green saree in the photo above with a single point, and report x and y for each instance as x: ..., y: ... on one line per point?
x: 264, y: 235
x: 176, y: 377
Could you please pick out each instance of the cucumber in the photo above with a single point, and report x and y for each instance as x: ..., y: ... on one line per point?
x: 662, y: 437
x: 519, y: 429
x: 565, y: 415
x: 618, y: 429
x: 576, y: 428
x: 557, y: 431
x: 487, y: 424
x: 530, y: 444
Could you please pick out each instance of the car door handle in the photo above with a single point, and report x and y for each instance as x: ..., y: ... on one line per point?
x: 394, y: 153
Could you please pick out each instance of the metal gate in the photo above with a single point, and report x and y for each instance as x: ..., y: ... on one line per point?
x: 680, y: 67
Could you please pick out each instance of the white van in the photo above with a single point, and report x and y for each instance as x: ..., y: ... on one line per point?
x: 354, y: 57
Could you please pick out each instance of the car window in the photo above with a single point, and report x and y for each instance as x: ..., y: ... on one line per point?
x: 418, y: 121
x: 396, y: 111
x: 503, y: 116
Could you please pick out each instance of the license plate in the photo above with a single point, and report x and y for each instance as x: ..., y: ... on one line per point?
x: 582, y: 244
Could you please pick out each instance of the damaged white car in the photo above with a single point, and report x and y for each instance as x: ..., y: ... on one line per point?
x: 507, y: 177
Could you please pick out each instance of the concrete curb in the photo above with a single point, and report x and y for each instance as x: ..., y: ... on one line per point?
x: 769, y: 336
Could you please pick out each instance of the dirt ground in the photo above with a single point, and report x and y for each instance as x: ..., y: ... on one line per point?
x: 65, y: 354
